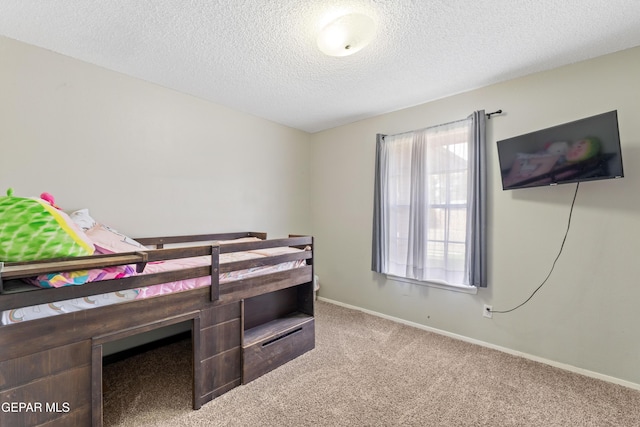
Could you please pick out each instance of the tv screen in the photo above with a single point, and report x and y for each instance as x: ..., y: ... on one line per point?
x: 583, y: 150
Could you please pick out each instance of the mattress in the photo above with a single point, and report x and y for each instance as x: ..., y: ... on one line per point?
x: 68, y: 306
x: 40, y: 311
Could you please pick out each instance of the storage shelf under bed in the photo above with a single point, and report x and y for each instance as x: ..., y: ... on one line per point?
x: 272, y: 344
x: 274, y: 330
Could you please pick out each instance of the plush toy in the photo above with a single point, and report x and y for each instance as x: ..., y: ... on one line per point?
x: 47, y: 197
x: 583, y: 149
x: 31, y: 229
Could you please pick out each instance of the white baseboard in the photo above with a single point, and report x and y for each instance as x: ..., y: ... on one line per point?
x: 553, y: 363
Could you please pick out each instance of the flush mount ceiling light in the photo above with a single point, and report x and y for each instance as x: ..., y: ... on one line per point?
x: 346, y: 35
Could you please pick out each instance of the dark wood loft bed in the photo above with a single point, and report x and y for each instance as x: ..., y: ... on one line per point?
x: 240, y: 330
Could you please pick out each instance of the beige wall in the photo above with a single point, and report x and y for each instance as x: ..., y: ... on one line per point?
x: 145, y: 160
x: 587, y: 315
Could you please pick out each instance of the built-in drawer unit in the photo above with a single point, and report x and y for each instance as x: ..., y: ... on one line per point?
x: 269, y: 345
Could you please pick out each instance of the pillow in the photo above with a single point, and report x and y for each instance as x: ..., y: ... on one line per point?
x: 109, y: 241
x: 31, y: 229
x: 83, y: 219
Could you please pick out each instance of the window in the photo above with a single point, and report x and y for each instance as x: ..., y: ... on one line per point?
x: 429, y: 210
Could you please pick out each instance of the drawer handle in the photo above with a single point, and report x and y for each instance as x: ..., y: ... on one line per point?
x: 281, y: 337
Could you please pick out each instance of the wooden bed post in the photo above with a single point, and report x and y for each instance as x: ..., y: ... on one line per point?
x: 196, y: 353
x: 96, y: 385
x: 215, y: 275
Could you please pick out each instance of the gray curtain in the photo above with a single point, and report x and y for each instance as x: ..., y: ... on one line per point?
x: 477, y: 204
x: 476, y: 250
x: 378, y: 255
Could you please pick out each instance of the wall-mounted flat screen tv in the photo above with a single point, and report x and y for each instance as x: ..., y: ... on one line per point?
x: 583, y: 150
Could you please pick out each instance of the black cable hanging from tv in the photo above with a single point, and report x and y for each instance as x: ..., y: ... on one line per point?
x: 573, y: 202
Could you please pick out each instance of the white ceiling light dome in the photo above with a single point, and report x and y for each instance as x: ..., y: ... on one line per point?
x: 347, y: 34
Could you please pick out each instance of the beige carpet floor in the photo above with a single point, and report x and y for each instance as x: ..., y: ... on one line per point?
x: 368, y: 371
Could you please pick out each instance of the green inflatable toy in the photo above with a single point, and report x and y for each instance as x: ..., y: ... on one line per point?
x: 31, y: 229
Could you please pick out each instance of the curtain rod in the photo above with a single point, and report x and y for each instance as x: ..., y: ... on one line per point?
x: 488, y: 115
x: 491, y: 114
x: 428, y: 127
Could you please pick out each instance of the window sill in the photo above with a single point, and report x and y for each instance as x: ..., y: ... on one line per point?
x: 439, y: 285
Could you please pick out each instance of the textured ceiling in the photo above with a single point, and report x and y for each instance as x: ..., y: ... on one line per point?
x: 260, y: 56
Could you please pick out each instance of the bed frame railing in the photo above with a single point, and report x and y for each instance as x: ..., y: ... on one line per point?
x: 159, y: 242
x: 11, y: 298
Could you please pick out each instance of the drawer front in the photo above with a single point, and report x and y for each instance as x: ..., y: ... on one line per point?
x: 266, y: 355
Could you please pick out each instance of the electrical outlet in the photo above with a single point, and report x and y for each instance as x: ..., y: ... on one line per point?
x: 486, y: 311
